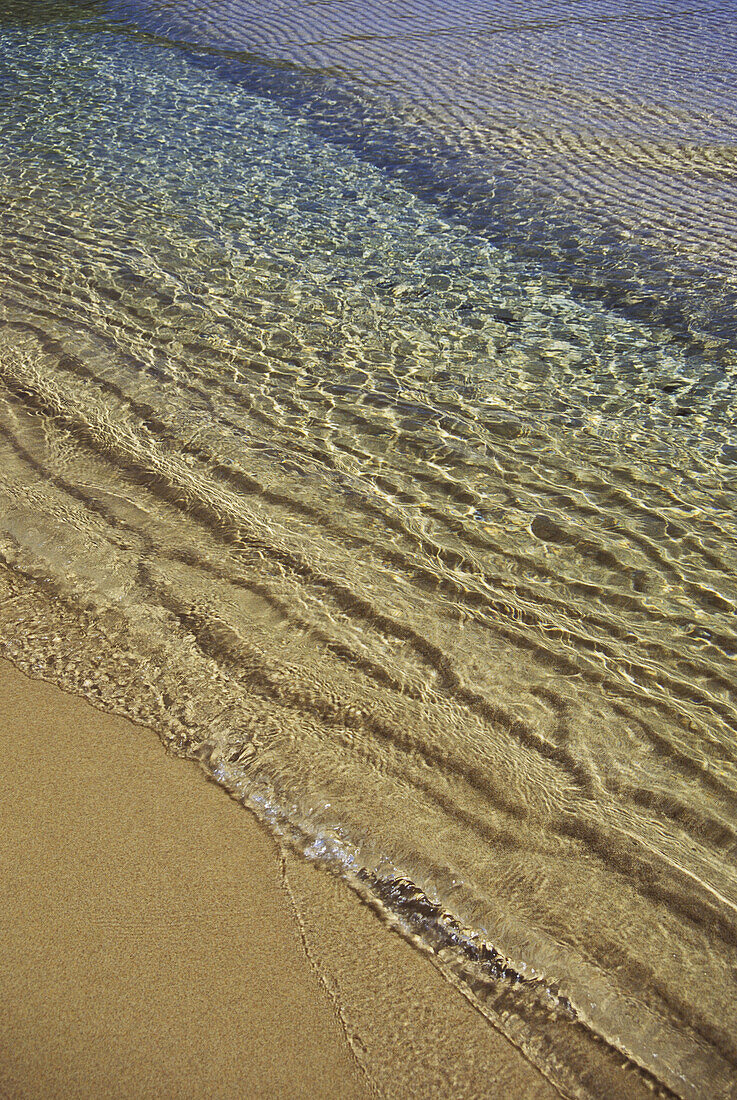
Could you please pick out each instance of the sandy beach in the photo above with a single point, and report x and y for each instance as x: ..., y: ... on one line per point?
x: 155, y: 942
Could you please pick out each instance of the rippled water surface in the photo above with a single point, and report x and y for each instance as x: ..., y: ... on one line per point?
x: 367, y: 425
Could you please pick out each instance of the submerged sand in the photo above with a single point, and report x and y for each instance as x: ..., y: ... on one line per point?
x: 156, y: 942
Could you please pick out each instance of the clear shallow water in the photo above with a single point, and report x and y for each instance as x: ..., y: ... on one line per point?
x: 598, y: 136
x: 416, y: 527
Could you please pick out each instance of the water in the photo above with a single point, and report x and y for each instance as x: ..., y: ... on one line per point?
x: 367, y: 428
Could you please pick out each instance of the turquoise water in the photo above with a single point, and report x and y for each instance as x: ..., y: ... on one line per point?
x: 375, y: 444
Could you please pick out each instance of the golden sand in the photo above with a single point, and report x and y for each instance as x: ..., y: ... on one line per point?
x: 155, y: 943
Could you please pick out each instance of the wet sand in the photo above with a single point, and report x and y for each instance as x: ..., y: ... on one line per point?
x: 154, y: 941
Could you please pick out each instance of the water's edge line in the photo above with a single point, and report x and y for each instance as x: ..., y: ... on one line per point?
x: 393, y: 898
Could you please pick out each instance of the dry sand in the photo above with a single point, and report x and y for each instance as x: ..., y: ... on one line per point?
x: 155, y: 943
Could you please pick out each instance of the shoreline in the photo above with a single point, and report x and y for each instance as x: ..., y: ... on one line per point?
x: 153, y: 945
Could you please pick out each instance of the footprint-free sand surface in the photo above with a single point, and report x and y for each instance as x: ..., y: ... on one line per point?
x: 155, y: 942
